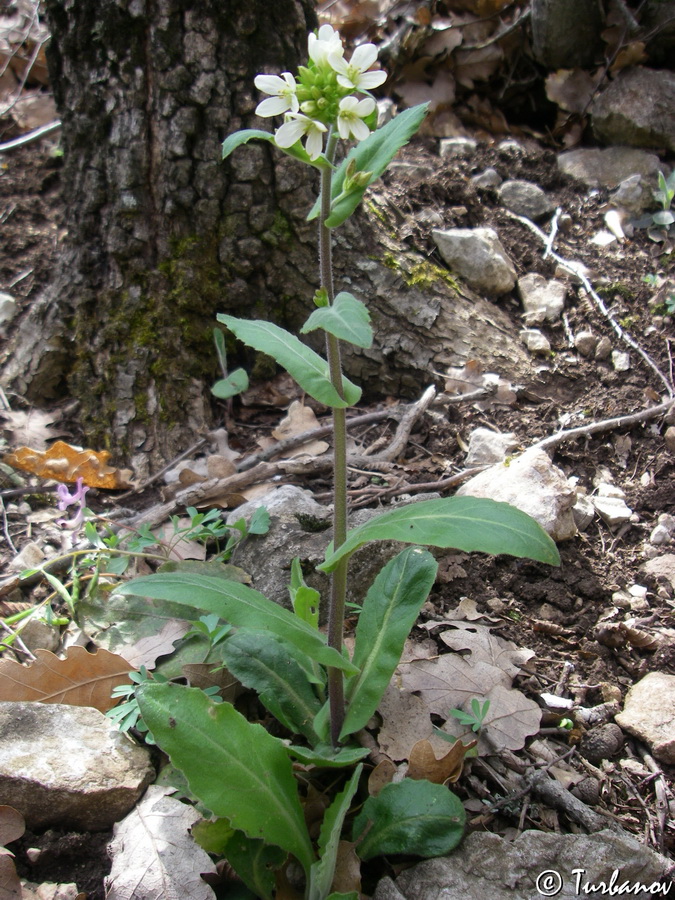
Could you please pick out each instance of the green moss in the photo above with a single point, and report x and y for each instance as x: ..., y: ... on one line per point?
x: 423, y: 274
x: 616, y: 288
x: 280, y: 233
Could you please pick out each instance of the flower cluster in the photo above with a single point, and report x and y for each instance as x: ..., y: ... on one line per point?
x: 322, y: 96
x: 66, y: 499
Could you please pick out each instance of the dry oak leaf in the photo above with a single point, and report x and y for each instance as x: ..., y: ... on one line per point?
x: 450, y: 681
x: 65, y: 463
x: 12, y: 826
x: 425, y: 765
x: 486, y: 646
x: 81, y: 679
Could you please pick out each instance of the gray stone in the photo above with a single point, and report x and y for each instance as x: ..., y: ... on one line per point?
x: 584, y: 512
x: 7, y: 311
x: 634, y: 194
x: 68, y: 766
x: 525, y: 199
x: 649, y: 714
x: 477, y: 255
x: 659, y: 536
x: 533, y: 484
x: 669, y: 438
x: 609, y: 167
x: 487, y: 446
x: 661, y: 568
x: 620, y: 360
x: 620, y: 114
x: 490, y: 178
x: 543, y: 301
x: 536, y: 342
x: 585, y: 342
x: 458, y: 147
x: 287, y: 501
x: 610, y: 505
x: 536, y: 864
x: 604, y: 348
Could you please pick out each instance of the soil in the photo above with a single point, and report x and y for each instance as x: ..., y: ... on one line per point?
x: 555, y: 613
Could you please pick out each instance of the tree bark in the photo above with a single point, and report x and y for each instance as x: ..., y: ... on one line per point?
x: 162, y: 235
x: 566, y: 33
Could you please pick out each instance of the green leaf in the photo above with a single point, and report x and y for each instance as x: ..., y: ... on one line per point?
x: 389, y: 612
x: 265, y: 664
x: 304, y: 365
x: 305, y: 600
x: 235, y: 768
x: 297, y: 151
x: 254, y: 862
x: 372, y: 155
x: 323, y: 871
x: 241, y: 606
x: 463, y: 523
x: 213, y: 836
x: 234, y: 384
x: 324, y: 756
x: 347, y: 319
x: 412, y: 817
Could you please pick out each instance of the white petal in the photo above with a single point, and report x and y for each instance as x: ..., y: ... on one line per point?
x: 365, y: 107
x: 364, y: 56
x: 290, y: 133
x: 359, y: 129
x: 314, y: 144
x: 349, y: 104
x: 343, y: 127
x: 326, y: 33
x: 345, y: 82
x: 289, y: 79
x: 270, y: 84
x: 272, y: 106
x: 337, y: 63
x: 370, y: 80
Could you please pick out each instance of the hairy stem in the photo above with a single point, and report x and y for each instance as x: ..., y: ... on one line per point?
x: 339, y: 579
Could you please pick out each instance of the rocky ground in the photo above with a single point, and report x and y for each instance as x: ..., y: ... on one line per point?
x: 602, y: 621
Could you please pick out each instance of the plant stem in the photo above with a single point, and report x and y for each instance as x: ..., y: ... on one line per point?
x: 339, y: 579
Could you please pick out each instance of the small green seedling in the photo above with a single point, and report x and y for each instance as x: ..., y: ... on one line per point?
x: 476, y: 717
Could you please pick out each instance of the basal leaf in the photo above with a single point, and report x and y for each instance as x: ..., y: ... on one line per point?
x: 265, y: 664
x: 297, y: 151
x: 255, y: 863
x: 347, y: 319
x: 236, y: 768
x: 234, y: 384
x: 372, y: 155
x: 301, y: 362
x: 241, y: 606
x: 389, y: 612
x: 324, y: 756
x: 411, y: 817
x: 463, y: 523
x: 322, y: 872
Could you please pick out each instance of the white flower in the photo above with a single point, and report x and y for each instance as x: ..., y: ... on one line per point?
x: 295, y: 127
x: 283, y: 91
x: 354, y: 74
x: 327, y: 43
x: 351, y: 115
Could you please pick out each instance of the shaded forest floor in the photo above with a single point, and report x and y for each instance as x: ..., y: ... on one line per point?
x: 557, y: 614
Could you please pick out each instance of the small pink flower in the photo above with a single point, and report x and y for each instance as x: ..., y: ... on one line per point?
x: 67, y: 499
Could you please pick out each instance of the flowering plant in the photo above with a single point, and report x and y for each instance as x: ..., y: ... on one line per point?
x: 239, y: 770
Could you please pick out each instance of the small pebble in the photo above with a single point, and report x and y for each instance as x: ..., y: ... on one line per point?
x: 669, y: 438
x: 603, y: 349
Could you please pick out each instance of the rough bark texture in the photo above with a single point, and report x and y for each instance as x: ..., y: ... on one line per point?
x: 566, y: 33
x: 162, y: 235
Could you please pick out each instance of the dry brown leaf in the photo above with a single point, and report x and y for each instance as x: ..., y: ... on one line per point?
x: 477, y: 65
x: 65, y: 463
x: 424, y: 763
x: 81, y: 679
x: 438, y: 94
x: 381, y: 776
x: 154, y: 854
x: 32, y: 428
x: 32, y: 110
x: 10, y: 883
x: 510, y: 719
x: 347, y: 876
x: 405, y: 720
x: 486, y: 647
x: 146, y: 650
x: 443, y: 41
x: 206, y: 675
x: 571, y: 89
x: 300, y: 418
x: 449, y: 681
x: 12, y: 825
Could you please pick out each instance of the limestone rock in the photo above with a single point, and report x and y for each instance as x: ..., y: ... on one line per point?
x: 536, y: 342
x: 487, y: 866
x: 620, y: 360
x: 634, y: 194
x: 543, y: 301
x: 620, y: 114
x: 533, y: 484
x: 649, y: 714
x: 487, y: 446
x: 287, y: 501
x: 477, y: 255
x: 604, y: 348
x: 611, y: 506
x: 661, y: 568
x: 609, y: 167
x: 458, y: 147
x: 68, y: 766
x: 489, y: 178
x: 525, y: 199
x: 586, y: 342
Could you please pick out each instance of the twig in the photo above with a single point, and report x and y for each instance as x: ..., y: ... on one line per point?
x: 498, y: 35
x: 17, y: 640
x: 5, y: 527
x: 660, y: 792
x: 40, y: 132
x: 575, y: 270
x: 559, y: 437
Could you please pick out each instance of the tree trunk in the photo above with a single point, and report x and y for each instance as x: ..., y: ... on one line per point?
x: 162, y: 235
